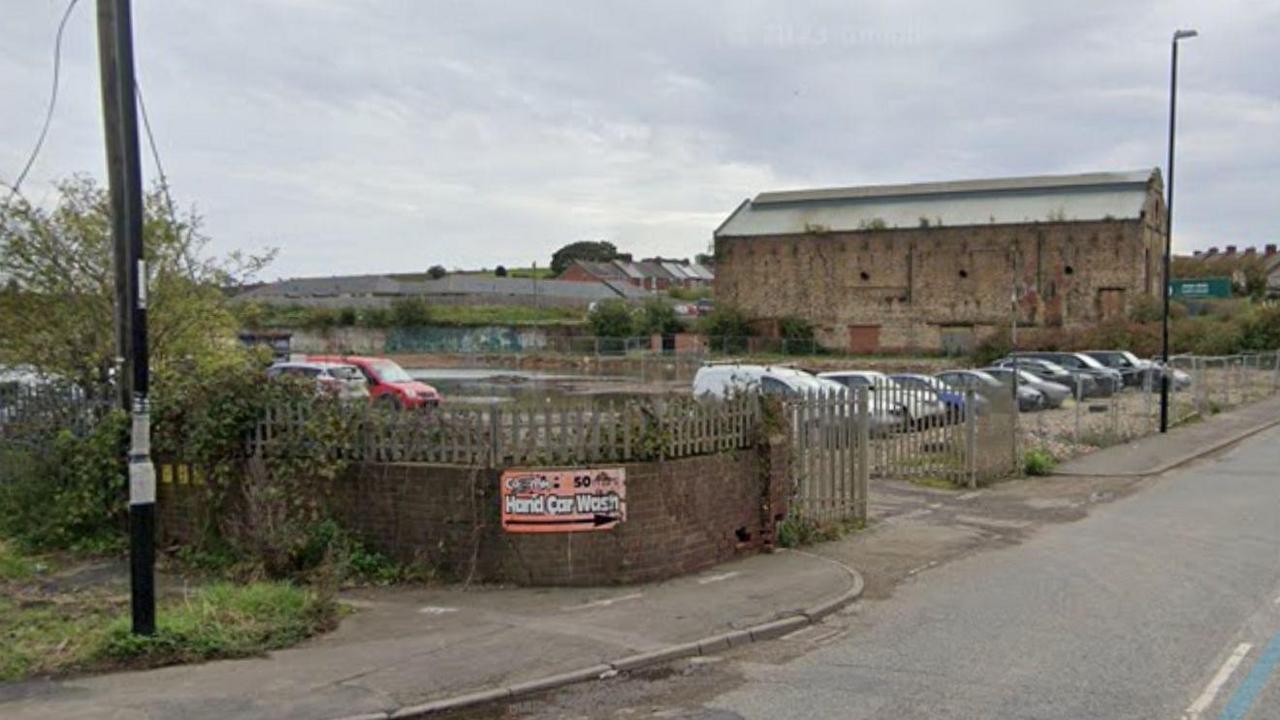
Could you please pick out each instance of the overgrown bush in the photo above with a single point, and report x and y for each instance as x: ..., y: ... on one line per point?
x: 657, y: 317
x: 612, y: 318
x: 797, y: 335
x: 410, y: 312
x: 70, y: 494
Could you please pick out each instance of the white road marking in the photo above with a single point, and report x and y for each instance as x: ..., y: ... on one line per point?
x: 606, y: 602
x: 717, y: 578
x: 1277, y: 600
x: 436, y: 610
x: 1211, y: 691
x: 922, y: 568
x: 969, y: 495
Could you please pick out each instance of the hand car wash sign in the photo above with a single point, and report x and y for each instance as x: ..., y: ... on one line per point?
x: 557, y: 501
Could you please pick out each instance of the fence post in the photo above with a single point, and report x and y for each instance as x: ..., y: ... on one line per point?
x: 1146, y: 401
x: 1079, y: 400
x: 971, y: 437
x: 862, y: 483
x: 1275, y: 373
x: 495, y: 435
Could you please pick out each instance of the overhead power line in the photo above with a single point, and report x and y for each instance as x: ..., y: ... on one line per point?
x: 16, y: 187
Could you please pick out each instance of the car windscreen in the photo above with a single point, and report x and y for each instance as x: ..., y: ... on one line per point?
x: 1090, y: 362
x: 390, y: 372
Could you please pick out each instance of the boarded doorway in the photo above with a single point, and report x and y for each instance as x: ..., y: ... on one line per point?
x: 957, y: 339
x: 1110, y: 303
x: 864, y: 339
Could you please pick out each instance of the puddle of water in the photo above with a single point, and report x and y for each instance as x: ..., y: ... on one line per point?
x: 524, y: 387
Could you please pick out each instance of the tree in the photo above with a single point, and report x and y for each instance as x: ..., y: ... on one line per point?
x: 435, y: 272
x: 599, y: 251
x: 500, y: 271
x: 57, y: 309
x: 611, y: 318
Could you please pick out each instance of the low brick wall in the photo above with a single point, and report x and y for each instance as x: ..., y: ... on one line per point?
x: 683, y: 516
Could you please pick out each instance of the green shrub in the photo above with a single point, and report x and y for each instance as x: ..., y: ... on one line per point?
x: 1037, y: 461
x: 612, y: 318
x: 657, y: 317
x: 69, y: 495
x: 797, y: 335
x: 410, y: 312
x: 727, y: 328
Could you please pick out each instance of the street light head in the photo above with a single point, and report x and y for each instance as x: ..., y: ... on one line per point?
x: 1184, y: 34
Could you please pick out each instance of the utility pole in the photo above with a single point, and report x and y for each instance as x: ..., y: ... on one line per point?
x: 124, y: 173
x: 1168, y: 238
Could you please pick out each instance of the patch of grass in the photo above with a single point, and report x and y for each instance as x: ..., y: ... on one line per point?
x: 220, y: 621
x: 796, y: 531
x: 15, y: 567
x: 86, y: 632
x: 1037, y: 462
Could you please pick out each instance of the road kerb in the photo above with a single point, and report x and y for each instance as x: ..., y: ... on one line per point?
x: 706, y: 646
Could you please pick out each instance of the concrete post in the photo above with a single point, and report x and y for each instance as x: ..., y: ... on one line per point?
x: 971, y: 437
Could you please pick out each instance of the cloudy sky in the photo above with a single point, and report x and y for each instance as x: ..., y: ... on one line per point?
x: 368, y: 136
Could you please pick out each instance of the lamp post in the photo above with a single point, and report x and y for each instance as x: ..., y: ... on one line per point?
x: 1168, y: 238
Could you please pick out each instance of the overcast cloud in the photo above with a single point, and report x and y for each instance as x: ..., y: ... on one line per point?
x: 385, y: 136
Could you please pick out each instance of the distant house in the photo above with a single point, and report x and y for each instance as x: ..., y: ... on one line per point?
x: 1237, y: 264
x: 653, y: 274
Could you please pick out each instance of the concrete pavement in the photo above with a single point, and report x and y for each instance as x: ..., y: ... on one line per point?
x: 403, y: 648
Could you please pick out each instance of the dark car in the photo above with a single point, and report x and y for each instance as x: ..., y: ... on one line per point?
x: 991, y: 388
x: 951, y: 397
x: 1138, y: 372
x: 1109, y: 381
x: 1082, y: 385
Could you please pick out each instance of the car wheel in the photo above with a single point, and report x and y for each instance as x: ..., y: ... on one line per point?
x: 389, y: 402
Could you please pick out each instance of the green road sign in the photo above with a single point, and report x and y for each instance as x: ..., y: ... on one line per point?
x: 1200, y: 288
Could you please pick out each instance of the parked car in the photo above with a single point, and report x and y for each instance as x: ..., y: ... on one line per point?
x: 1054, y: 393
x: 1137, y: 371
x: 979, y: 381
x: 344, y: 381
x: 388, y: 383
x: 950, y: 397
x: 719, y: 381
x: 1081, y: 384
x: 923, y: 407
x: 1109, y: 381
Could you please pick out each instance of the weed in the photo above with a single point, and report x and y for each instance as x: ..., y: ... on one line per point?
x: 1037, y: 462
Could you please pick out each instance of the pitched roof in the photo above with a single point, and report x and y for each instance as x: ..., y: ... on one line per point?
x: 1088, y: 196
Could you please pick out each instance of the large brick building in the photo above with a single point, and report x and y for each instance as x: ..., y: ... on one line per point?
x: 936, y: 266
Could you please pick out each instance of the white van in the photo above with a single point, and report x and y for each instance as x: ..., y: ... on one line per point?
x: 719, y: 381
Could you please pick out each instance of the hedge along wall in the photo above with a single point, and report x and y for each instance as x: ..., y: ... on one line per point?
x: 683, y: 516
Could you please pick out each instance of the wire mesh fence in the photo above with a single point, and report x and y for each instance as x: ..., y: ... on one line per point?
x: 1199, y: 387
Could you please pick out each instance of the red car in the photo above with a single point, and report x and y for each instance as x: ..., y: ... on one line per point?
x: 388, y: 382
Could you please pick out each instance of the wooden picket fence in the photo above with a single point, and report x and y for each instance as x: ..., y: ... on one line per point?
x: 498, y: 436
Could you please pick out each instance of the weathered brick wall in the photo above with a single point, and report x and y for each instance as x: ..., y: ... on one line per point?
x: 913, y: 283
x: 682, y: 516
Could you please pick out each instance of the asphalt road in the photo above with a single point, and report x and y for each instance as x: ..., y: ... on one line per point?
x: 1165, y: 604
